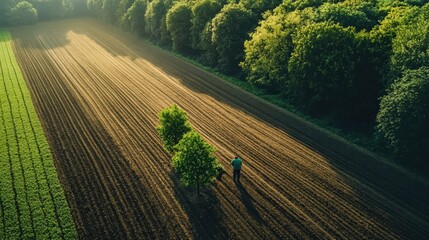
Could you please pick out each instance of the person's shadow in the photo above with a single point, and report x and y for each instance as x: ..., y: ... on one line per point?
x: 248, y: 203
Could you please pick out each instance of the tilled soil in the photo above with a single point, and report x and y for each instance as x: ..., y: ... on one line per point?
x: 98, y: 92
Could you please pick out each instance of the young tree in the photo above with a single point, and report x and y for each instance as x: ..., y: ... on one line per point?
x: 404, y: 116
x: 23, y: 13
x: 195, y: 161
x: 173, y: 125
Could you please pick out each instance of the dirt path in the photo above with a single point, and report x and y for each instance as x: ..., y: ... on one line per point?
x: 99, y: 91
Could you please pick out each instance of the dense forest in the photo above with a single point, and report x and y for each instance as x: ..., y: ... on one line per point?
x: 361, y: 64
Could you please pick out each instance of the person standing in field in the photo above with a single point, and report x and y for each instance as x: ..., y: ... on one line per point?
x: 236, y: 165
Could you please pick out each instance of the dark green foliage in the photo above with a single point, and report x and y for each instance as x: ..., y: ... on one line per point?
x: 209, y: 56
x: 155, y: 18
x: 404, y: 116
x: 202, y: 13
x: 123, y: 7
x: 230, y: 28
x: 410, y: 47
x: 53, y: 9
x: 179, y: 25
x: 324, y: 70
x: 268, y: 51
x: 23, y: 13
x: 361, y: 15
x: 173, y: 125
x: 194, y: 160
x: 133, y: 20
x: 260, y: 6
x: 105, y: 9
x: 290, y: 5
x: 5, y: 6
x: 321, y: 64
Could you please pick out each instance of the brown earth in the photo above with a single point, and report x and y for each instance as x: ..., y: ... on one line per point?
x: 98, y: 92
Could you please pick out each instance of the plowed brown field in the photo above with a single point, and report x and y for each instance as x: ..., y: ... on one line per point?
x: 99, y: 91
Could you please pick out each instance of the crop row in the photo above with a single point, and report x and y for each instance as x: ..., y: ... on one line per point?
x: 32, y: 201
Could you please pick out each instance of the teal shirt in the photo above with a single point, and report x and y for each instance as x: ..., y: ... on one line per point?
x: 236, y: 163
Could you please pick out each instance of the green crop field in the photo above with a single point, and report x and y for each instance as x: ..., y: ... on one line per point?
x: 32, y: 202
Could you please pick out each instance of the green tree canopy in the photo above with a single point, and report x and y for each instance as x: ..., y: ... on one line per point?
x: 173, y: 125
x: 202, y: 13
x: 179, y: 25
x: 155, y: 18
x: 123, y: 7
x: 268, y: 51
x: 260, y: 6
x: 322, y: 67
x: 230, y: 28
x: 404, y: 116
x: 52, y: 9
x: 410, y: 47
x: 194, y: 160
x: 23, y: 13
x: 5, y: 6
x: 133, y: 19
x: 361, y: 14
x: 209, y: 55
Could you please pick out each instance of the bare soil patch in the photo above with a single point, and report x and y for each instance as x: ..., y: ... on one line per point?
x: 98, y: 92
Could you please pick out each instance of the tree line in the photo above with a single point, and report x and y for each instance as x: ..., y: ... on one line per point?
x: 19, y: 12
x: 361, y: 64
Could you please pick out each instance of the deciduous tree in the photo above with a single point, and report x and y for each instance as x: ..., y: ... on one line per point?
x: 404, y: 116
x: 202, y: 13
x: 268, y: 51
x: 322, y: 68
x: 133, y: 20
x: 23, y: 13
x: 230, y: 28
x: 410, y: 47
x: 194, y: 160
x: 173, y: 125
x: 155, y: 18
x: 179, y: 25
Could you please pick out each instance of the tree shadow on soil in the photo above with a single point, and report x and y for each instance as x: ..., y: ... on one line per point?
x: 204, y: 210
